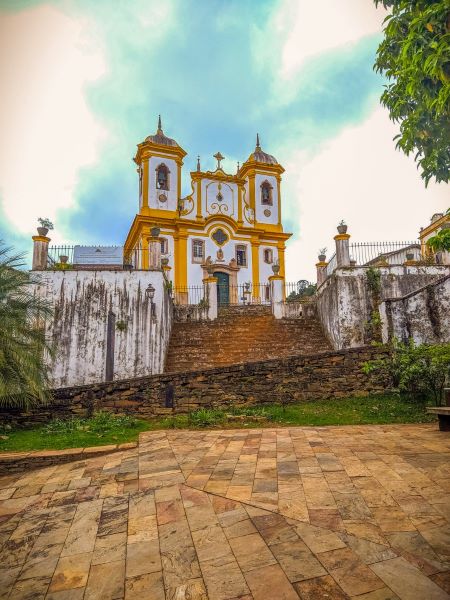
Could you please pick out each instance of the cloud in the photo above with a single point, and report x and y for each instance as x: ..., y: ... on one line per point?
x: 48, y: 131
x: 311, y: 28
x: 358, y: 176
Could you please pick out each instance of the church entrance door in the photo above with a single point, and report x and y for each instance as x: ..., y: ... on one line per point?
x: 223, y: 288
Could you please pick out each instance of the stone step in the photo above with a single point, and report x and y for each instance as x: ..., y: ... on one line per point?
x: 240, y: 335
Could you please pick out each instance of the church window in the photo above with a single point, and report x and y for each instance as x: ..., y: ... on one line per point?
x: 164, y: 245
x: 266, y: 193
x: 268, y: 256
x: 198, y: 251
x: 241, y: 255
x: 162, y: 177
x: 267, y: 293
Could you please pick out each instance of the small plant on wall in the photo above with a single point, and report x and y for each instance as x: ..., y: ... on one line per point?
x: 44, y: 222
x: 373, y: 325
x: 121, y: 325
x: 204, y: 304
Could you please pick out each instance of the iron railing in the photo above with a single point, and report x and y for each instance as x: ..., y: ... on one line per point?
x: 189, y: 295
x: 299, y: 291
x: 244, y: 294
x: 59, y: 255
x: 332, y: 264
x: 366, y: 253
x: 79, y: 257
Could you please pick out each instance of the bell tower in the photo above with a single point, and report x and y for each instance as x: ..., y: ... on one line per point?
x: 159, y: 160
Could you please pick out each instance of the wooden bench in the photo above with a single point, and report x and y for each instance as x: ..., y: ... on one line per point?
x: 443, y: 413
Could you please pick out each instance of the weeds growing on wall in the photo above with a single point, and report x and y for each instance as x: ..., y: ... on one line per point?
x: 420, y: 371
x: 373, y: 277
x: 373, y: 325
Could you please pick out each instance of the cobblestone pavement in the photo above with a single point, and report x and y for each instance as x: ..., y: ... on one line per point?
x: 275, y: 514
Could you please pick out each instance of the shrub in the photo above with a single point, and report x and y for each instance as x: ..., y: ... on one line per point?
x: 417, y: 370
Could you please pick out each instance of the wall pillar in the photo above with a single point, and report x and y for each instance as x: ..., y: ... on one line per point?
x: 277, y: 295
x: 154, y: 253
x: 342, y: 250
x: 40, y: 252
x: 321, y: 268
x: 210, y: 290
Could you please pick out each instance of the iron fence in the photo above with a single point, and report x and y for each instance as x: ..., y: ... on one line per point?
x: 332, y: 264
x: 244, y: 294
x: 366, y: 253
x: 79, y: 257
x: 299, y: 291
x: 189, y: 295
x: 59, y: 255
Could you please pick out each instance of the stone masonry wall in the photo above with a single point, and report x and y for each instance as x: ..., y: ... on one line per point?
x: 293, y: 379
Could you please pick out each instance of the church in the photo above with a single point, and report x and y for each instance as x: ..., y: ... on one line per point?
x: 229, y: 227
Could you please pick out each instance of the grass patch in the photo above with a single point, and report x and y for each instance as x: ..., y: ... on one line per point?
x: 105, y: 428
x: 370, y: 410
x: 101, y: 429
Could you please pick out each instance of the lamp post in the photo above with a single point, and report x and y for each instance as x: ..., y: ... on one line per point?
x: 149, y: 295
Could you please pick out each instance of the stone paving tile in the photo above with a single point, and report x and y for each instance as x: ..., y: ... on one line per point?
x: 334, y: 512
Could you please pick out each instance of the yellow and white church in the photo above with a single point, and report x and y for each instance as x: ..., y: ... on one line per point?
x: 229, y: 226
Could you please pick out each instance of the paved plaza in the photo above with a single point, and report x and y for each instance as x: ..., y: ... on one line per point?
x: 273, y: 514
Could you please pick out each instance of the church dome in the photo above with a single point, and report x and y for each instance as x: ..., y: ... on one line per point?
x: 261, y: 157
x: 160, y: 138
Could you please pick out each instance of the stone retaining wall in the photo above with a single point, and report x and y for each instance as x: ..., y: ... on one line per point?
x: 293, y: 379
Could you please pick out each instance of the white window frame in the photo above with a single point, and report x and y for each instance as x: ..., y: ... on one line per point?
x: 164, y: 245
x: 244, y: 248
x: 268, y: 251
x: 196, y: 242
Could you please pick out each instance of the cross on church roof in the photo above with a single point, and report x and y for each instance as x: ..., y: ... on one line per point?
x: 219, y: 159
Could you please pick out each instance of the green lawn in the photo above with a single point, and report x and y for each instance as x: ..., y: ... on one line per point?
x: 105, y: 428
x: 345, y: 411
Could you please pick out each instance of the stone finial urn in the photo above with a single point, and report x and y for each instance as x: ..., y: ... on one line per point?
x: 42, y: 231
x: 276, y: 268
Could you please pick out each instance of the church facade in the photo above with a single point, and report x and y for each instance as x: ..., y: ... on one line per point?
x: 229, y: 227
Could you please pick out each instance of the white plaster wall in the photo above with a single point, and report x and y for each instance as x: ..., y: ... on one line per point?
x: 227, y: 206
x: 260, y: 208
x: 82, y: 300
x: 345, y: 302
x: 265, y: 269
x: 153, y: 193
x: 423, y: 316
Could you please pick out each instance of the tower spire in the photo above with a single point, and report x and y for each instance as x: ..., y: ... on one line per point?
x: 159, y: 125
x: 258, y: 147
x: 198, y: 163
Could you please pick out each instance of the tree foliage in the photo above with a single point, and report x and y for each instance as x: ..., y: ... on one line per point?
x: 415, y: 56
x: 440, y: 242
x: 23, y: 374
x: 417, y: 370
x: 303, y: 289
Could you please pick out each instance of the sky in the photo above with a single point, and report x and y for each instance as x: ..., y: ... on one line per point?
x: 83, y: 82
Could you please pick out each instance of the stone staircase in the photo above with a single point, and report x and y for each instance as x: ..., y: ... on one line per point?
x: 240, y: 335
